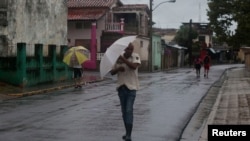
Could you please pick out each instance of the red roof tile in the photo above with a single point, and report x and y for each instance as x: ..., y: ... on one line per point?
x: 90, y: 3
x: 86, y: 13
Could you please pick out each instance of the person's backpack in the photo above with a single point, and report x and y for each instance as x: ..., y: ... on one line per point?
x: 206, y: 60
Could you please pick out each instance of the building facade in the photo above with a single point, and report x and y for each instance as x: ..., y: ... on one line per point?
x: 113, y: 20
x: 31, y: 22
x: 33, y: 37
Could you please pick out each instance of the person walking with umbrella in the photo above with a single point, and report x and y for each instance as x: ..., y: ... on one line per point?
x: 74, y: 58
x: 126, y: 68
x: 77, y: 72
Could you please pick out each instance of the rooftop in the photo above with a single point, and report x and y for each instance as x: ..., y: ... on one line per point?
x: 86, y: 13
x: 90, y: 3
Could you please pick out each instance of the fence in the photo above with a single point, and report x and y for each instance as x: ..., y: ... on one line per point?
x: 24, y: 71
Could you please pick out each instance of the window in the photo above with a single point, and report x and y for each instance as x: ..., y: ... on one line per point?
x: 83, y: 25
x: 87, y: 24
x: 79, y: 25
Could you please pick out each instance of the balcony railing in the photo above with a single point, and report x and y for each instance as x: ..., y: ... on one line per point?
x: 115, y: 27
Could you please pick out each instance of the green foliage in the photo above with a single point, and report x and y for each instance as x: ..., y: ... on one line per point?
x: 182, y: 36
x: 196, y: 47
x: 223, y: 13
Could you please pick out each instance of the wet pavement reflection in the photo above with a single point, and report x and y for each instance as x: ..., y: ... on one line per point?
x: 163, y: 106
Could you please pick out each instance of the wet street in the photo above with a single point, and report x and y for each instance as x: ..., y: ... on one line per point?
x: 163, y: 106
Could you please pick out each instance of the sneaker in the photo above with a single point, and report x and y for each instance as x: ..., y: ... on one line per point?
x: 128, y: 138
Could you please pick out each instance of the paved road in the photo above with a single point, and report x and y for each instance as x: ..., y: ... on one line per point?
x: 163, y: 107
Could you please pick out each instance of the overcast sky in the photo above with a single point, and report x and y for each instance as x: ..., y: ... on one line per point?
x: 172, y: 15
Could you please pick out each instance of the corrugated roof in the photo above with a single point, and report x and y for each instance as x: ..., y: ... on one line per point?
x: 86, y: 13
x: 177, y: 46
x: 90, y: 3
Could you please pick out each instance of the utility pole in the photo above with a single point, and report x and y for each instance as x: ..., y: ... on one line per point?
x: 150, y: 47
x: 150, y: 35
x: 190, y: 43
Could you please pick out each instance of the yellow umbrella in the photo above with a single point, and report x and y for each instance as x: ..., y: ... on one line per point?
x: 76, y: 56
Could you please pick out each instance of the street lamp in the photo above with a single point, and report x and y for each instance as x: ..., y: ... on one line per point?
x: 162, y: 3
x: 151, y: 9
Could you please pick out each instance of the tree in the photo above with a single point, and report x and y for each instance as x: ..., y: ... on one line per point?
x: 226, y: 13
x: 242, y: 16
x: 184, y: 37
x: 182, y: 34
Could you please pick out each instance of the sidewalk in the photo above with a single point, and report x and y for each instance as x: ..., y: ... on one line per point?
x: 9, y: 91
x: 231, y: 105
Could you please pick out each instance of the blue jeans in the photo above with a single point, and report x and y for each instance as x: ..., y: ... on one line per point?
x: 127, y: 98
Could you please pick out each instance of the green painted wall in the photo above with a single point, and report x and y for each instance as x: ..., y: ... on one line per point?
x: 156, y: 50
x: 27, y: 71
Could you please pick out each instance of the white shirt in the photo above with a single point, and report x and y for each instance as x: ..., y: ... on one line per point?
x: 130, y: 76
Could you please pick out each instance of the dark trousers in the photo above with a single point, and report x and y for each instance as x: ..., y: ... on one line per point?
x: 127, y: 98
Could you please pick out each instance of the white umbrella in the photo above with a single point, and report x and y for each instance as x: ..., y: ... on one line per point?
x: 113, y: 52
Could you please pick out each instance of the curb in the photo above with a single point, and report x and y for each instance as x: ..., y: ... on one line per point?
x: 24, y: 94
x: 196, y: 124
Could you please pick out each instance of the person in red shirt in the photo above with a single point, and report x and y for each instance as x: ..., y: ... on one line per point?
x: 206, y: 62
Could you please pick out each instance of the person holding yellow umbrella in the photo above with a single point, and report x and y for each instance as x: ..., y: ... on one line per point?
x: 77, y: 72
x: 75, y: 57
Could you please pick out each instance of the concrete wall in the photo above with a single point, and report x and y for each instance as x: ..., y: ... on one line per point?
x: 247, y: 61
x: 241, y: 53
x: 168, y: 38
x: 247, y: 58
x: 34, y: 21
x: 74, y: 34
x: 84, y: 33
x: 141, y: 47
